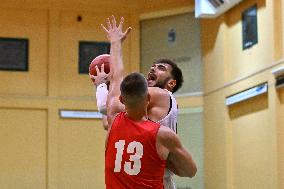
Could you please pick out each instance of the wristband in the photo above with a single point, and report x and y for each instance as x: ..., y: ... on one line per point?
x: 101, y: 95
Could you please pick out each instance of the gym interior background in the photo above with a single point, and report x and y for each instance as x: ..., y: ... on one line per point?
x: 236, y: 147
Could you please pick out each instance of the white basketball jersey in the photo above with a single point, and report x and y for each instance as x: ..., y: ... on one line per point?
x: 170, y: 121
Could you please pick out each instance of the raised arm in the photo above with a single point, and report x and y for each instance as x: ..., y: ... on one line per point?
x: 116, y: 36
x: 179, y: 160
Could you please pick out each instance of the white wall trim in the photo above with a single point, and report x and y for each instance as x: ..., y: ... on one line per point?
x: 190, y: 110
x: 193, y: 94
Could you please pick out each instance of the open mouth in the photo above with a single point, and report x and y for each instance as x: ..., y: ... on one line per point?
x: 151, y: 76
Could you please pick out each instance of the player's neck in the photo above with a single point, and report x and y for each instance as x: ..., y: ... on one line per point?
x: 136, y: 115
x: 168, y: 91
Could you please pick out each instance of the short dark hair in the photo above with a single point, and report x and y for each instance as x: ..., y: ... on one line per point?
x: 133, y: 89
x: 176, y: 72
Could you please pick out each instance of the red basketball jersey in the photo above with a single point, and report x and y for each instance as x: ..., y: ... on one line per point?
x: 131, y: 158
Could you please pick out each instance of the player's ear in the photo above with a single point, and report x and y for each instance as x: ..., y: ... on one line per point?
x: 172, y: 83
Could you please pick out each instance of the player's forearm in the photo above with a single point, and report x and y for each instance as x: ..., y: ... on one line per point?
x: 116, y: 59
x: 116, y: 69
x: 182, y: 164
x: 189, y: 169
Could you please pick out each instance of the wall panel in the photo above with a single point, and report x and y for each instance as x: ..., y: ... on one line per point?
x: 252, y: 145
x: 81, y: 154
x: 215, y: 142
x: 20, y: 23
x: 243, y: 62
x: 23, y: 148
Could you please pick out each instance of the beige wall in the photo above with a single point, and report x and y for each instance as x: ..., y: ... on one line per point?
x: 215, y: 144
x: 243, y: 142
x: 80, y: 154
x: 23, y: 159
x: 252, y: 128
x: 20, y: 23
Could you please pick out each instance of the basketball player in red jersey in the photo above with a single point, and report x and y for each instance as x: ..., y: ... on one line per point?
x: 132, y: 159
x: 164, y: 78
x: 165, y: 141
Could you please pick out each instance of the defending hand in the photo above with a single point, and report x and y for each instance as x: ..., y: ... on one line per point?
x: 115, y: 33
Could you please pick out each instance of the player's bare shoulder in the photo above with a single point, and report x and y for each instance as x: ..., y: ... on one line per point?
x: 157, y: 91
x: 165, y: 134
x: 158, y: 95
x: 158, y: 106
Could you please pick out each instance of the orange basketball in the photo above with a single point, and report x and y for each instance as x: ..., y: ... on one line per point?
x: 98, y: 61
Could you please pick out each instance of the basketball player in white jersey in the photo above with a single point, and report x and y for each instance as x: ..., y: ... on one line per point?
x: 163, y: 79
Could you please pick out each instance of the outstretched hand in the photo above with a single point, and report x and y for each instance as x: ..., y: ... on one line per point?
x: 114, y: 32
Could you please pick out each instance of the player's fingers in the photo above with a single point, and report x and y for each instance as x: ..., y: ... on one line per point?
x: 103, y: 67
x: 92, y: 77
x: 113, y: 21
x: 97, y: 69
x: 127, y: 31
x: 121, y: 23
x: 104, y: 28
x: 109, y: 24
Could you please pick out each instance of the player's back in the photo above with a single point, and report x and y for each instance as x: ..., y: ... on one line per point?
x: 132, y: 161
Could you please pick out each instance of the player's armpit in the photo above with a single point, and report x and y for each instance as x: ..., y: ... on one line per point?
x: 171, y: 166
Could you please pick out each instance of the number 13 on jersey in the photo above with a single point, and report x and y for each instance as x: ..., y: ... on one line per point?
x: 134, y: 159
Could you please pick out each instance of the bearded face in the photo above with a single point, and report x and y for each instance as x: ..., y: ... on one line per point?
x: 159, y: 75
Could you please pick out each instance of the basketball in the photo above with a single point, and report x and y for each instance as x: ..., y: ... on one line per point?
x: 98, y: 61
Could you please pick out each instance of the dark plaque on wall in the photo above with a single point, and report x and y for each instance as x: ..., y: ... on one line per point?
x: 249, y: 22
x: 88, y: 51
x: 14, y: 54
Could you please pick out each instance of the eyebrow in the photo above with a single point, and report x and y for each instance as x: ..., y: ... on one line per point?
x: 160, y: 65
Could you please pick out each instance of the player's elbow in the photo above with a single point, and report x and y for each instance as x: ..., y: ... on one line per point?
x: 105, y: 126
x: 189, y: 171
x: 192, y: 171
